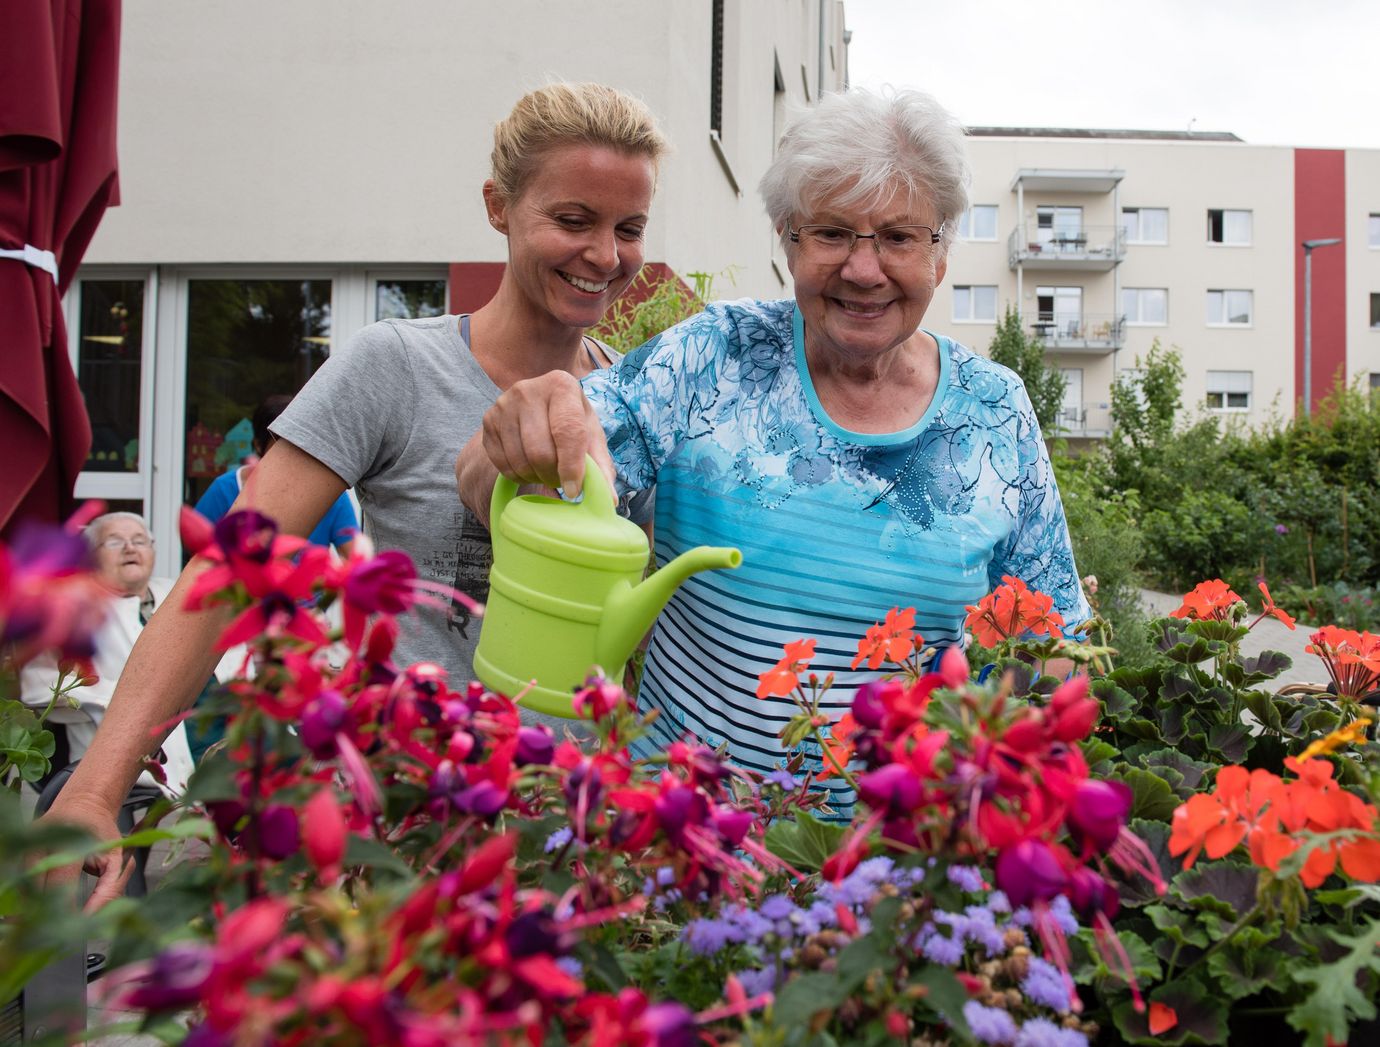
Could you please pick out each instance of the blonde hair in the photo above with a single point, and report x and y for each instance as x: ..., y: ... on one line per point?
x: 570, y: 114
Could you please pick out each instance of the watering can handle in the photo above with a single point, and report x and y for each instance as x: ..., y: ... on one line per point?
x: 602, y: 501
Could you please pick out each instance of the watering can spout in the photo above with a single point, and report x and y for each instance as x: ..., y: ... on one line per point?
x: 631, y: 609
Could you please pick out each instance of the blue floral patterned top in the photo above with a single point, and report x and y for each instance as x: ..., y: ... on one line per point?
x: 835, y: 527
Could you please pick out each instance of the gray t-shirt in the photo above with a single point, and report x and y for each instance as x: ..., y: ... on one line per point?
x: 389, y: 415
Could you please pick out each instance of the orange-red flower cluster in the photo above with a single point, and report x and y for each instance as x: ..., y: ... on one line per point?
x: 1275, y: 818
x: 893, y: 640
x: 1352, y: 659
x: 784, y: 677
x: 1011, y: 610
x: 1209, y: 601
x: 1269, y: 607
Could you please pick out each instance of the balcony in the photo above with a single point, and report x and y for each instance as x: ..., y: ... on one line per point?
x: 1095, y: 335
x: 1097, y: 248
x: 1084, y: 421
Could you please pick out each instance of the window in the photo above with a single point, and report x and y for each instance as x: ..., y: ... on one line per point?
x: 409, y: 299
x: 1229, y: 390
x: 1373, y: 231
x: 1229, y: 227
x: 1374, y: 311
x: 975, y: 303
x: 716, y: 68
x: 1375, y: 381
x: 1061, y: 228
x: 1072, y: 414
x: 1059, y: 312
x: 1145, y: 305
x: 110, y: 371
x: 1230, y: 307
x: 1145, y: 225
x: 979, y: 222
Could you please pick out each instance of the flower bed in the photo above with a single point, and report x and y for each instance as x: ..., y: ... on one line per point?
x: 1122, y: 856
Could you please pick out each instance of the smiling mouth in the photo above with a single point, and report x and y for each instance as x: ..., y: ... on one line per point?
x: 588, y: 286
x: 861, y: 309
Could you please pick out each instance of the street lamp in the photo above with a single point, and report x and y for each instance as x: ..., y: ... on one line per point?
x: 1308, y: 246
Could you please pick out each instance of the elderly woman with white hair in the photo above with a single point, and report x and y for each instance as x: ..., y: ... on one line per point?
x: 858, y: 461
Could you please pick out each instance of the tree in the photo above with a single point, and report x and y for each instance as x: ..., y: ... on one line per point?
x: 1025, y: 355
x: 1146, y: 400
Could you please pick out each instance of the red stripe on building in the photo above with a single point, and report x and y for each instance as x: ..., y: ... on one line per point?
x: 1320, y: 212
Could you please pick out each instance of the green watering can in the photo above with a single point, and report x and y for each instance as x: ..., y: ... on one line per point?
x: 566, y: 591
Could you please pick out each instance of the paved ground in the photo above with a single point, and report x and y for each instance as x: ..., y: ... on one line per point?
x: 1269, y: 635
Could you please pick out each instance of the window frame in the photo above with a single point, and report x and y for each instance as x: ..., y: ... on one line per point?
x: 972, y: 298
x: 1126, y: 316
x: 1373, y: 230
x: 1225, y: 311
x: 1226, y: 407
x: 1138, y: 239
x: 1375, y: 310
x: 1224, y: 211
x: 966, y: 218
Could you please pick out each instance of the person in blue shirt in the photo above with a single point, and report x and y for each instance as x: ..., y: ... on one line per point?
x: 337, y: 528
x: 859, y: 462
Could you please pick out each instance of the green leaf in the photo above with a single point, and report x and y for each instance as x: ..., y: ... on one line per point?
x: 1093, y: 968
x: 1250, y: 963
x: 860, y: 958
x: 1265, y: 666
x: 1226, y: 888
x: 374, y: 855
x: 805, y: 995
x: 806, y: 842
x: 1264, y: 708
x: 1223, y: 633
x: 1181, y: 928
x: 1152, y: 796
x: 1096, y: 751
x: 598, y: 960
x: 1230, y: 741
x: 1189, y: 770
x: 1334, y: 1000
x: 1173, y: 717
x: 1117, y: 703
x: 1139, y: 727
x: 946, y: 995
x: 1201, y: 1018
x: 1139, y: 891
x: 213, y: 779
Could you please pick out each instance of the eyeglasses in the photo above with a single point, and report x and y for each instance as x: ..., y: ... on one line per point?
x: 833, y: 243
x: 134, y: 543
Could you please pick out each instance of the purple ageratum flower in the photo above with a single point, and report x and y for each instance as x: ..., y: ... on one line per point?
x: 670, y: 1025
x: 1281, y: 529
x: 982, y: 930
x: 535, y: 745
x: 278, y: 831
x: 571, y: 966
x: 322, y: 720
x: 558, y: 839
x: 784, y: 779
x: 171, y: 981
x: 777, y: 907
x: 755, y: 982
x: 989, y: 1024
x: 386, y: 583
x: 1098, y: 811
x: 966, y: 877
x: 705, y: 936
x: 941, y: 948
x: 998, y: 902
x: 1044, y: 984
x: 1028, y: 871
x: 1041, y: 1032
x: 1062, y: 912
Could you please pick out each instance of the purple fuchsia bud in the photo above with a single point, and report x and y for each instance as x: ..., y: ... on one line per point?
x: 226, y: 814
x: 204, y: 1035
x: 669, y: 1025
x: 172, y: 981
x: 892, y: 789
x: 731, y: 824
x: 536, y: 932
x: 868, y: 707
x: 584, y: 778
x: 535, y: 744
x: 322, y: 720
x: 278, y: 832
x: 1029, y: 871
x: 246, y: 535
x: 384, y: 584
x: 1098, y: 810
x: 484, y: 799
x: 1090, y: 894
x: 678, y: 807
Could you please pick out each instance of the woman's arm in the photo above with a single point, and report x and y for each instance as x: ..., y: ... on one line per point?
x: 173, y: 658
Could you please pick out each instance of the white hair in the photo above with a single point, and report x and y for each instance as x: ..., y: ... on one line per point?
x: 859, y: 148
x: 95, y: 527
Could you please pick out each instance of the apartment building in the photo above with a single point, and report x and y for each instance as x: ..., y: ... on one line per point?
x: 291, y: 172
x: 1105, y: 241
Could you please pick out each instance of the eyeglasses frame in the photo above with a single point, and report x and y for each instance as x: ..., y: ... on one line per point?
x: 935, y: 234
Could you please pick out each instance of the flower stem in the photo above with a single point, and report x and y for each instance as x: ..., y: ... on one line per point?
x: 1236, y: 929
x: 842, y: 772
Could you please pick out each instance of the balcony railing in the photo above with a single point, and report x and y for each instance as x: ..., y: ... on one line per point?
x: 1095, y: 247
x: 1087, y: 420
x: 1084, y: 334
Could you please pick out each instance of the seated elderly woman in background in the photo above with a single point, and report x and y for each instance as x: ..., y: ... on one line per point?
x: 859, y: 462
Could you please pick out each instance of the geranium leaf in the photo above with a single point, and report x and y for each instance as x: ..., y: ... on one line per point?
x: 1200, y: 1017
x: 1155, y: 835
x: 1173, y: 717
x: 1264, y: 709
x: 805, y: 842
x: 1096, y: 752
x: 1093, y: 968
x: 1230, y: 741
x: 1226, y: 888
x: 1265, y: 666
x: 1251, y: 962
x: 1335, y: 1001
x: 805, y: 995
x: 1152, y: 796
x: 1189, y: 770
x: 1117, y: 703
x: 1182, y: 928
x: 1223, y: 633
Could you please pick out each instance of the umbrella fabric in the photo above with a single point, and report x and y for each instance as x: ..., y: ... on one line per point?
x: 59, y: 63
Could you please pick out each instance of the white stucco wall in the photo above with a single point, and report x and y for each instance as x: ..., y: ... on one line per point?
x: 1362, y: 263
x: 358, y: 131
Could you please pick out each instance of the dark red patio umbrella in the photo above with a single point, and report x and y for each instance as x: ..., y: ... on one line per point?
x: 59, y: 62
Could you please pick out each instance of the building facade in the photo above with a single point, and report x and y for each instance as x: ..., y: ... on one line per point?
x: 292, y: 172
x: 1106, y: 241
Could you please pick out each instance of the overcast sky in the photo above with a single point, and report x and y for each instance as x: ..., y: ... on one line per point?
x: 1273, y: 72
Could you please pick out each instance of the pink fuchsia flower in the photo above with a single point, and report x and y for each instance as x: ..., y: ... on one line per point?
x: 1097, y: 810
x: 1090, y: 894
x: 172, y: 981
x: 322, y: 720
x: 49, y: 599
x: 893, y: 789
x: 278, y: 832
x: 535, y: 745
x: 325, y: 833
x: 1029, y: 871
x: 598, y: 698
